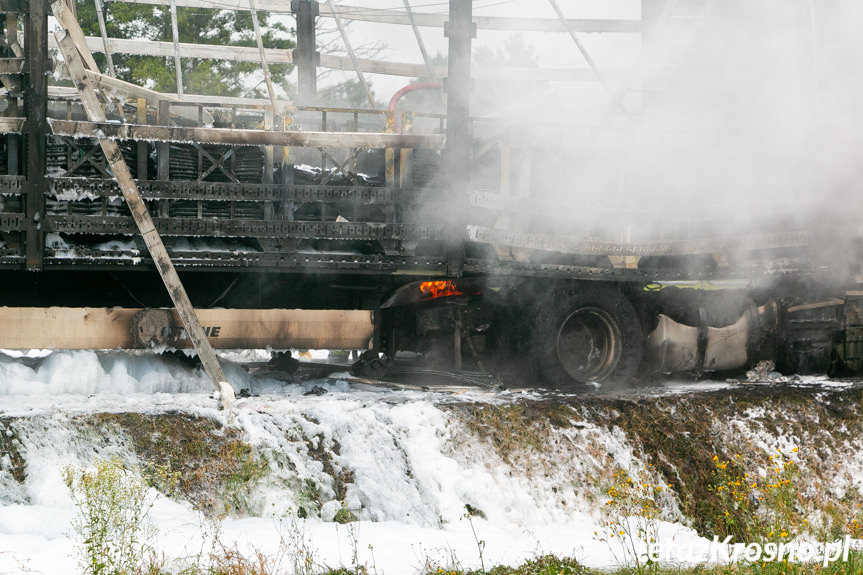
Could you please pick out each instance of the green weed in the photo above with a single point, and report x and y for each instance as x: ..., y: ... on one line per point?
x: 112, y: 521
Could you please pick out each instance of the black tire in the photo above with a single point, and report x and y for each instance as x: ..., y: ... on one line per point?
x: 585, y: 333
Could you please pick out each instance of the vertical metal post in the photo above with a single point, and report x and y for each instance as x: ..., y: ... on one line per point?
x: 347, y: 42
x: 267, y: 177
x: 457, y: 154
x: 141, y: 151
x: 163, y: 154
x: 305, y: 54
x: 176, y: 35
x: 36, y: 106
x: 263, y: 54
x: 12, y: 140
x: 104, y: 31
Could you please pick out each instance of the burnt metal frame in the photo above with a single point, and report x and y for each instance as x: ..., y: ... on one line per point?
x: 90, y: 156
x: 35, y: 187
x: 229, y: 153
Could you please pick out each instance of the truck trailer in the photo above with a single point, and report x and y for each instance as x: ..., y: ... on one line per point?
x: 135, y: 219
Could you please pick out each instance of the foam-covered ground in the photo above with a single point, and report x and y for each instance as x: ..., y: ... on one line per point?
x: 414, y: 465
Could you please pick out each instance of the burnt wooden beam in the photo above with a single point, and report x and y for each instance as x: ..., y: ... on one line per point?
x: 242, y: 137
x: 11, y: 65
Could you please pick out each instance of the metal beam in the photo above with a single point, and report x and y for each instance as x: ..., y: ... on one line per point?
x: 457, y: 154
x: 104, y: 33
x: 347, y: 42
x: 36, y: 106
x: 243, y: 192
x: 219, y: 227
x: 580, y: 245
x: 175, y: 36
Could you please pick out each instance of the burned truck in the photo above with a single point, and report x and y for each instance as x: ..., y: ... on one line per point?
x: 545, y: 251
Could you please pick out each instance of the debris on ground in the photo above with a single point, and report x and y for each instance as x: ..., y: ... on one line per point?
x: 765, y: 372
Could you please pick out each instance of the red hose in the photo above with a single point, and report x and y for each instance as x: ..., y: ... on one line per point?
x: 407, y: 90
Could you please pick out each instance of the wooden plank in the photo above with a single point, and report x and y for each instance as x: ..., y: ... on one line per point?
x: 381, y: 67
x: 103, y: 82
x: 11, y: 65
x: 70, y: 24
x: 129, y: 90
x: 109, y: 328
x: 275, y: 56
x: 385, y: 16
x: 142, y: 218
x: 187, y: 50
x: 243, y: 136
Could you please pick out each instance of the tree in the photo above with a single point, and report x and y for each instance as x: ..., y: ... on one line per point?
x: 195, y: 25
x: 347, y: 94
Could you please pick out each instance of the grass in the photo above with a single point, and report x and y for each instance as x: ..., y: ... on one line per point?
x: 684, y: 459
x: 112, y: 524
x: 10, y: 448
x: 553, y: 565
x: 196, y: 458
x: 513, y: 428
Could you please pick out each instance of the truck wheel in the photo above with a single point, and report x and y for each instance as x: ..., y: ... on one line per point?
x: 586, y: 333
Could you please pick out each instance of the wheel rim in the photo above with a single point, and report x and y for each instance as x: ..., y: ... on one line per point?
x: 588, y: 344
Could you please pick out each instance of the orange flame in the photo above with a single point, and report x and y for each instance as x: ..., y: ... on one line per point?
x: 436, y: 289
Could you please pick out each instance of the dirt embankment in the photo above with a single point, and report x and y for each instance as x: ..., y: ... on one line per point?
x: 678, y: 439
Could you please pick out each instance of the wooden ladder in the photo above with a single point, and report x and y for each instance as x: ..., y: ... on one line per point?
x: 79, y: 61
